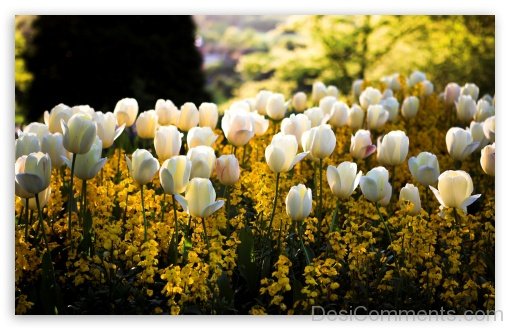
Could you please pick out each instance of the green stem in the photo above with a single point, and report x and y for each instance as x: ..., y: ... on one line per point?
x: 227, y: 206
x: 70, y: 201
x: 270, y: 229
x: 46, y: 245
x: 320, y: 191
x: 144, y: 218
x: 301, y: 239
x: 118, y: 164
x: 244, y: 154
x: 163, y: 207
x: 334, y: 221
x: 26, y: 219
x: 176, y: 230
x: 206, y: 237
x: 389, y: 234
x: 83, y: 199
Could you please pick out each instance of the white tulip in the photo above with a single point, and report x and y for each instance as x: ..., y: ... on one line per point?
x: 361, y: 145
x: 26, y: 144
x: 39, y: 129
x: 189, y: 117
x: 326, y: 104
x: 320, y: 141
x: 33, y: 174
x: 392, y: 149
x: 276, y: 106
x: 53, y: 145
x: 319, y: 90
x: 174, y: 174
x: 476, y: 130
x: 106, y: 128
x: 375, y: 186
x: 79, y: 133
x: 200, y: 199
x: 88, y: 164
x: 317, y: 116
x: 85, y: 109
x: 332, y: 91
x: 470, y: 89
x: 427, y: 88
x: 201, y: 136
x: 208, y: 115
x: 454, y: 190
x: 203, y: 161
x: 299, y: 101
x: 488, y: 159
x: 410, y: 107
x: 370, y: 96
x: 126, y: 111
x: 167, y: 112
x: 298, y: 202
x: 147, y: 124
x: 415, y: 78
x: 167, y: 142
x: 355, y: 117
x: 411, y: 194
x: 260, y: 123
x: 466, y: 108
x: 424, y: 168
x: 343, y: 179
x: 451, y: 93
x: 281, y: 155
x: 227, y: 169
x: 339, y: 114
x: 459, y: 143
x: 392, y: 106
x: 356, y: 88
x: 377, y: 116
x: 238, y: 126
x: 261, y: 101
x: 489, y: 128
x: 484, y: 110
x: 143, y: 166
x: 52, y: 119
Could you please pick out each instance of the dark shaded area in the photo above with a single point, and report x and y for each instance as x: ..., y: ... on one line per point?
x: 98, y: 60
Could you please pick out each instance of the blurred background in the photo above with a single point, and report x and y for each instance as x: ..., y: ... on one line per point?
x: 97, y: 60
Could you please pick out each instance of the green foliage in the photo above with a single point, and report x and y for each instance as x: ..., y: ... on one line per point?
x: 339, y: 49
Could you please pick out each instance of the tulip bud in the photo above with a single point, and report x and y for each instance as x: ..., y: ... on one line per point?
x: 424, y: 168
x: 427, y: 88
x: 84, y: 109
x: 227, y: 169
x: 126, y: 111
x: 53, y: 145
x: 343, y: 179
x: 488, y: 159
x: 261, y: 101
x: 189, y: 117
x: 476, y: 130
x: 296, y: 125
x: 281, y: 153
x: 392, y: 149
x: 238, y: 126
x: 106, y: 130
x: 470, y: 89
x: 41, y: 130
x: 376, y: 116
x: 392, y: 106
x: 146, y: 124
x: 317, y: 116
x: 276, y: 107
x: 299, y: 101
x: 88, y: 164
x: 201, y: 136
x: 208, y: 115
x: 19, y: 167
x: 466, y: 108
x: 410, y: 107
x: 375, y: 186
x: 339, y: 114
x: 200, y: 200
x: 386, y: 94
x: 326, y: 104
x: 357, y: 86
x: 454, y: 190
x: 299, y: 202
x: 174, y: 174
x: 415, y: 78
x: 203, y: 161
x: 320, y: 141
x: 355, y: 117
x: 167, y: 142
x: 489, y: 128
x: 460, y: 143
x: 142, y: 166
x: 332, y: 91
x: 26, y: 144
x: 318, y: 91
x: 411, y: 194
x: 361, y: 145
x: 53, y: 118
x: 35, y: 175
x: 260, y: 123
x: 484, y: 110
x: 370, y: 96
x: 79, y: 133
x: 451, y: 93
x: 167, y: 112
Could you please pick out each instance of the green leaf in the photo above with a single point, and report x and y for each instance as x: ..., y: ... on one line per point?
x: 246, y: 264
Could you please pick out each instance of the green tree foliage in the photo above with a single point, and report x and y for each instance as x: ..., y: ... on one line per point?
x: 339, y: 49
x: 101, y: 59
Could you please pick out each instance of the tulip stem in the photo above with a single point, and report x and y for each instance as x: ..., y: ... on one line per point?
x: 144, y: 218
x: 205, y: 236
x: 83, y: 199
x: 234, y: 150
x: 319, y: 214
x: 41, y: 222
x: 270, y: 229
x: 26, y: 219
x: 302, y: 240
x: 70, y: 201
x: 389, y: 235
x: 176, y: 230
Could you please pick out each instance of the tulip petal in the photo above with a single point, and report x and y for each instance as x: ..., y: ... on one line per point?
x: 66, y: 161
x: 30, y: 182
x: 470, y: 200
x: 332, y: 176
x: 298, y: 158
x: 128, y: 161
x: 64, y: 127
x: 98, y: 166
x: 438, y: 195
x: 369, y: 150
x: 167, y: 181
x: 210, y: 209
x: 119, y: 131
x: 181, y: 200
